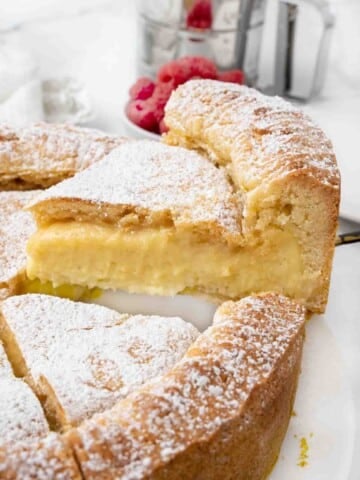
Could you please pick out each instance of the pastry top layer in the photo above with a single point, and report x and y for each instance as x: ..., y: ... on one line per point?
x: 208, y: 388
x: 146, y: 182
x: 92, y: 356
x: 43, y: 154
x: 16, y: 226
x: 265, y: 138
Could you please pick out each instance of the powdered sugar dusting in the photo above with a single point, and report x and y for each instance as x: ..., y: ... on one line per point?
x: 205, y: 390
x: 46, y: 153
x: 158, y: 178
x: 46, y: 459
x: 16, y: 226
x: 92, y: 356
x: 264, y: 137
x: 21, y: 418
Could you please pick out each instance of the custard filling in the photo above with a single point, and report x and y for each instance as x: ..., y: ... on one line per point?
x: 70, y: 291
x: 163, y: 261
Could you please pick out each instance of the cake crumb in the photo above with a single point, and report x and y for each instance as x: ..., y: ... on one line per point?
x: 303, y: 460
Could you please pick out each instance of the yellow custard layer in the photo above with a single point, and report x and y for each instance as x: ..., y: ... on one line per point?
x: 163, y: 261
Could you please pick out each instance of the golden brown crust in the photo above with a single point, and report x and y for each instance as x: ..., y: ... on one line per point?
x: 47, y: 459
x: 260, y: 138
x: 220, y: 413
x: 281, y: 164
x: 44, y: 154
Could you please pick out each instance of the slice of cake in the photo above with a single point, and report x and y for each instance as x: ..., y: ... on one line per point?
x: 220, y: 413
x: 164, y: 220
x: 43, y: 154
x: 81, y: 358
x: 27, y: 448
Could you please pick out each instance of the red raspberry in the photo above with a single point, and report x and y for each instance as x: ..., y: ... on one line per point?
x: 163, y: 127
x: 142, y: 114
x: 142, y: 89
x: 234, y: 76
x: 198, y: 67
x: 173, y: 73
x: 200, y: 15
x: 162, y: 94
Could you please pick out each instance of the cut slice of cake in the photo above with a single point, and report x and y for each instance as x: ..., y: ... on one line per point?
x: 43, y: 154
x: 81, y: 358
x: 27, y: 448
x: 220, y: 413
x: 164, y: 220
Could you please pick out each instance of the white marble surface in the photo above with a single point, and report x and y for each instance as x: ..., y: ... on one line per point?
x: 95, y: 41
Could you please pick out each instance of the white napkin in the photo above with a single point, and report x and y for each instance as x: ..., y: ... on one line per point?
x: 20, y: 87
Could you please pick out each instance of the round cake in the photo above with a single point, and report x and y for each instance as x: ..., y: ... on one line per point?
x: 239, y: 205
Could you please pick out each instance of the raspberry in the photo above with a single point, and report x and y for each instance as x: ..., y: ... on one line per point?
x: 157, y: 110
x: 200, y: 15
x: 180, y: 71
x: 234, y: 76
x: 141, y: 113
x: 142, y: 89
x: 163, y: 127
x: 198, y: 67
x: 162, y: 94
x: 173, y: 73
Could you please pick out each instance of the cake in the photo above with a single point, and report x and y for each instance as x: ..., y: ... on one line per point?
x: 241, y: 198
x: 81, y: 358
x: 43, y: 154
x: 220, y: 411
x: 159, y: 219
